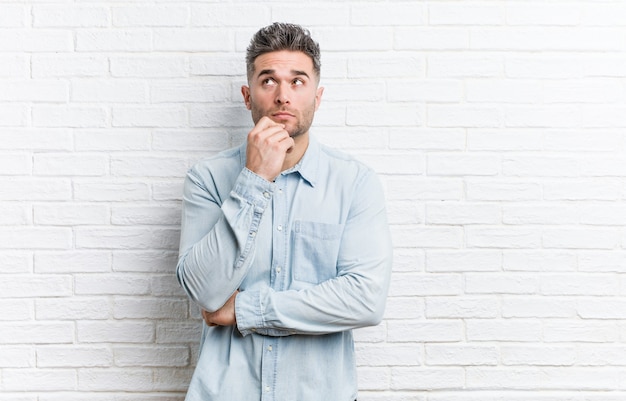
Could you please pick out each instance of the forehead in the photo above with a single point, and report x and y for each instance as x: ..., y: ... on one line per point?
x: 284, y: 60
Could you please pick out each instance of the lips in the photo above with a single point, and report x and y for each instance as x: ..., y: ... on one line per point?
x: 282, y: 115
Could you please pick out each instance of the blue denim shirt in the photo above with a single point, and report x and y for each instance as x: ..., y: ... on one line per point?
x: 310, y: 254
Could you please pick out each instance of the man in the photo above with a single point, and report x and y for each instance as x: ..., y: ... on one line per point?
x: 284, y: 243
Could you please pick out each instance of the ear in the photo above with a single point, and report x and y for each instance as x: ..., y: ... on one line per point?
x: 245, y: 91
x: 318, y: 97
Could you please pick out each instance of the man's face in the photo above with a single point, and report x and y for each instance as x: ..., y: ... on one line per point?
x: 284, y: 87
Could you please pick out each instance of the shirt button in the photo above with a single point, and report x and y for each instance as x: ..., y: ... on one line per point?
x: 253, y: 233
x: 279, y: 228
x: 280, y: 191
x: 266, y: 195
x: 267, y: 389
x: 278, y: 269
x: 269, y: 348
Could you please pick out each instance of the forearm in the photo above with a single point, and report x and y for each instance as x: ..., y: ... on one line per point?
x: 218, y: 240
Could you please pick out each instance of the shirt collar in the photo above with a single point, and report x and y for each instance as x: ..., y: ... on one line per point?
x: 307, y: 167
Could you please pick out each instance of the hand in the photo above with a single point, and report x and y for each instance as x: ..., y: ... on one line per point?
x: 224, y: 316
x: 268, y: 145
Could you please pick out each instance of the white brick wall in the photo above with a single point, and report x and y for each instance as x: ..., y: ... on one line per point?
x: 498, y: 128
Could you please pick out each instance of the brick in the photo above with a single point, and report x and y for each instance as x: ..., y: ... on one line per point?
x: 374, y: 378
x: 146, y: 117
x: 599, y: 188
x: 72, y: 262
x: 39, y: 379
x: 13, y: 116
x: 311, y: 15
x: 188, y: 92
x: 507, y: 283
x: 14, y: 66
x: 17, y: 357
x: 408, y: 307
x: 465, y: 308
x: 16, y: 214
x: 35, y: 238
x: 53, y: 66
x: 75, y: 308
x: 39, y: 40
x: 111, y: 284
x: 222, y: 15
x: 34, y: 139
x: 498, y: 237
x: 373, y: 14
x: 503, y: 190
x: 464, y: 355
x: 25, y: 286
x: 545, y: 39
x: 434, y: 91
x: 74, y: 356
x: 424, y: 331
x: 36, y: 333
x: 127, y: 238
x: 540, y: 213
x: 72, y: 16
x: 467, y: 116
x: 559, y: 331
x: 393, y: 115
x: 438, y: 261
x: 192, y: 40
x: 183, y: 140
x: 141, y: 215
x: 108, y: 40
x: 458, y: 13
x: 388, y: 355
x: 579, y: 284
x: 150, y: 16
x: 101, y: 379
x: 441, y: 164
x: 384, y: 65
x: 34, y: 91
x: 427, y: 378
x: 407, y: 284
x: 539, y: 260
x: 15, y: 262
x: 111, y: 91
x: 440, y: 38
x: 427, y: 237
x: 15, y: 310
x: 112, y: 140
x: 149, y: 308
x: 148, y: 66
x: 69, y: 116
x: 217, y: 65
x: 16, y: 164
x: 542, y: 14
x: 62, y: 164
x: 115, y: 331
x: 355, y: 38
x: 148, y: 166
x: 538, y: 307
x: 103, y: 191
x: 511, y: 139
x: 462, y: 65
x: 151, y: 261
x: 518, y: 330
x: 160, y: 356
x: 581, y: 238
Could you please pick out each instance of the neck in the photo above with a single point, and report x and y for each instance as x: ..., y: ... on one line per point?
x: 293, y: 157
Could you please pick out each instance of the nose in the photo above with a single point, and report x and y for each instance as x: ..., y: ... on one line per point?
x: 282, y: 97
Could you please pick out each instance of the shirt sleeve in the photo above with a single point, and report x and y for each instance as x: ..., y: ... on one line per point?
x: 218, y: 237
x: 354, y: 298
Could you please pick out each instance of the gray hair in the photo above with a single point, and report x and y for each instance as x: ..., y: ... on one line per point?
x: 282, y: 36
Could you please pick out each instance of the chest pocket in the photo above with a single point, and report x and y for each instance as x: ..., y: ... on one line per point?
x: 315, y: 250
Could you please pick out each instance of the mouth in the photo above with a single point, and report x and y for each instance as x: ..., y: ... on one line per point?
x: 282, y: 115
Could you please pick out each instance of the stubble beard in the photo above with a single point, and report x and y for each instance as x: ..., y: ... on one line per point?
x: 303, y: 120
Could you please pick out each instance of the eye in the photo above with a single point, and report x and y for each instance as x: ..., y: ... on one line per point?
x: 298, y: 82
x: 268, y: 82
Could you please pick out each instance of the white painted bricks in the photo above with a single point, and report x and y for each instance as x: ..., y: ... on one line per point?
x: 497, y: 129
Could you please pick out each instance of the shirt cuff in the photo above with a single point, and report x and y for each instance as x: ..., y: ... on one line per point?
x: 253, y: 188
x: 248, y: 312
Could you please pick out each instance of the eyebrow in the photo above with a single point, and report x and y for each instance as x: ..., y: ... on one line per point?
x: 293, y: 72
